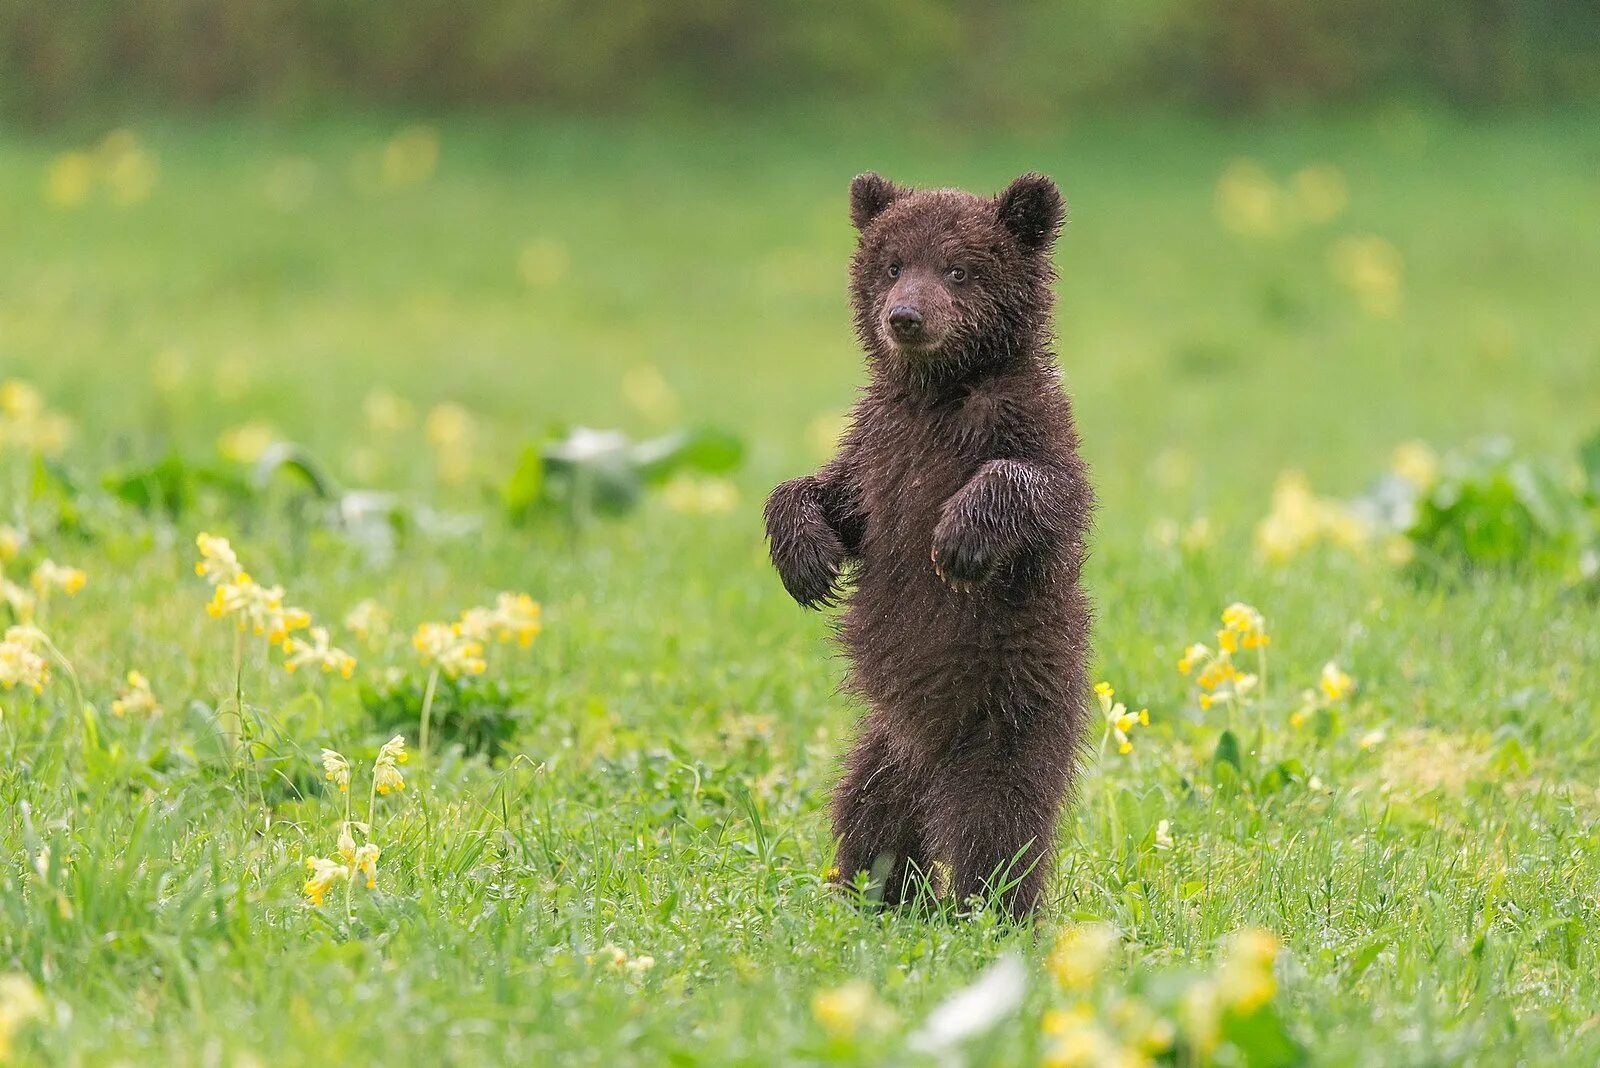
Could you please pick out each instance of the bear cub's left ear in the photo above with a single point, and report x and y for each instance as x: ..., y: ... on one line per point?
x: 1032, y: 209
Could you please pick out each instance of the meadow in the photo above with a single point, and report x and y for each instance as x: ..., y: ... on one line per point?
x: 615, y: 849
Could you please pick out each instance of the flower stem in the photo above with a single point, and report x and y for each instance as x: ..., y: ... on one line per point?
x: 427, y: 713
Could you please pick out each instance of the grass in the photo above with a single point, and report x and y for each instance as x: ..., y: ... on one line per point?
x: 665, y: 790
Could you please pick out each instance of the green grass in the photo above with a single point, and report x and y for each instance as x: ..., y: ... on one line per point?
x: 1437, y: 898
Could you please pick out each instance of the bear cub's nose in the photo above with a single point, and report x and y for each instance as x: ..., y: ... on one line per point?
x: 906, y: 322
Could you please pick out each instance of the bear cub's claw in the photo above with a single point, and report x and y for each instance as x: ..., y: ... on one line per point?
x: 962, y: 558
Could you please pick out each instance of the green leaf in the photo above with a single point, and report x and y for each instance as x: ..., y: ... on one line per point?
x: 1262, y: 1039
x: 524, y: 489
x: 1227, y: 761
x: 1362, y: 959
x: 1589, y: 460
x: 286, y: 456
x: 705, y: 449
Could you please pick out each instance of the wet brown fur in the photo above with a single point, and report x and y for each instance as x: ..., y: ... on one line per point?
x: 955, y: 515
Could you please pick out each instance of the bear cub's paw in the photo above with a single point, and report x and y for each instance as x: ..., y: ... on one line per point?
x: 806, y: 551
x: 963, y: 555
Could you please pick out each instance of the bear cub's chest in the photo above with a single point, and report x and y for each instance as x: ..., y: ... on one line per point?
x: 917, y: 461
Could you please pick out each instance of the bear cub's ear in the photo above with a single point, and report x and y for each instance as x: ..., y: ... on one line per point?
x: 870, y: 194
x: 1032, y: 209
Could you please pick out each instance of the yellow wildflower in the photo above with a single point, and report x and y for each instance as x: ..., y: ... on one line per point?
x: 1246, y: 980
x: 248, y: 442
x: 1119, y: 721
x: 385, y: 770
x: 1077, y: 1041
x: 336, y: 769
x: 367, y: 620
x: 1163, y: 839
x: 1320, y: 192
x: 20, y: 601
x: 1334, y: 682
x: 1081, y: 952
x: 1249, y: 202
x: 317, y: 652
x: 19, y: 1003
x: 136, y: 697
x: 326, y: 873
x: 22, y: 661
x: 844, y: 1011
x: 50, y: 575
x: 1373, y: 270
x: 365, y: 862
x: 1246, y: 628
x: 446, y: 647
x: 1192, y: 656
x: 283, y: 622
x: 217, y: 563
x: 1216, y: 673
x: 11, y: 542
x: 258, y: 607
x: 386, y: 412
x: 69, y: 180
x: 1415, y: 462
x: 515, y: 616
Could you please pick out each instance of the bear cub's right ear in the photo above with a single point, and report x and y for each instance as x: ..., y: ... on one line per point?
x: 870, y: 194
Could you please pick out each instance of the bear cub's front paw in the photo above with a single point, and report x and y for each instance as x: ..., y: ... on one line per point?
x: 962, y: 556
x: 810, y: 567
x: 806, y: 551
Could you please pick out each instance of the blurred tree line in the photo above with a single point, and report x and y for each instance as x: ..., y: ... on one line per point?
x: 1014, y: 58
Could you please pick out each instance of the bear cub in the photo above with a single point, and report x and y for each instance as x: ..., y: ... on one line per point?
x: 954, y: 516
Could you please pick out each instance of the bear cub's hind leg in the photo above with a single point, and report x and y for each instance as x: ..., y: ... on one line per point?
x: 875, y: 820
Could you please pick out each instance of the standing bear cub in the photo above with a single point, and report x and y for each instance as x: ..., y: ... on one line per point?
x: 960, y: 499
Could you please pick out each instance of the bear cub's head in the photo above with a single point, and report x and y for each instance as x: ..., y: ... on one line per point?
x: 946, y: 281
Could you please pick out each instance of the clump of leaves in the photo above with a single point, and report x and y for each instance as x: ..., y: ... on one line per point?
x: 1491, y: 508
x: 479, y: 714
x: 584, y: 472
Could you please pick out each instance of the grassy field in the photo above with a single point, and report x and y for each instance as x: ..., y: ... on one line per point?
x: 1430, y: 864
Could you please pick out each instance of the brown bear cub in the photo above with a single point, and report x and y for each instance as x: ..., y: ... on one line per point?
x: 960, y: 499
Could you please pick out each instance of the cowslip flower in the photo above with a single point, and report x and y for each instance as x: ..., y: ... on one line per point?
x: 1246, y: 980
x: 1242, y: 628
x: 22, y: 660
x: 20, y: 1002
x: 282, y: 622
x: 1193, y: 655
x: 358, y: 860
x: 514, y: 617
x: 1119, y: 721
x: 326, y: 873
x: 317, y: 652
x: 12, y: 540
x: 1077, y: 1041
x: 256, y: 606
x: 367, y: 620
x: 218, y: 563
x: 517, y: 616
x: 844, y: 1011
x: 336, y: 769
x: 20, y: 601
x: 1081, y: 952
x: 385, y: 770
x: 50, y: 575
x: 1334, y: 682
x: 446, y: 647
x: 136, y: 697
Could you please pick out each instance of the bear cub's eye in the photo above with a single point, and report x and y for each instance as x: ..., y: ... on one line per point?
x: 957, y: 274
x: 894, y: 270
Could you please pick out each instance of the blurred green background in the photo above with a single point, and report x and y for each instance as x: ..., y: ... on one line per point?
x: 1012, y: 60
